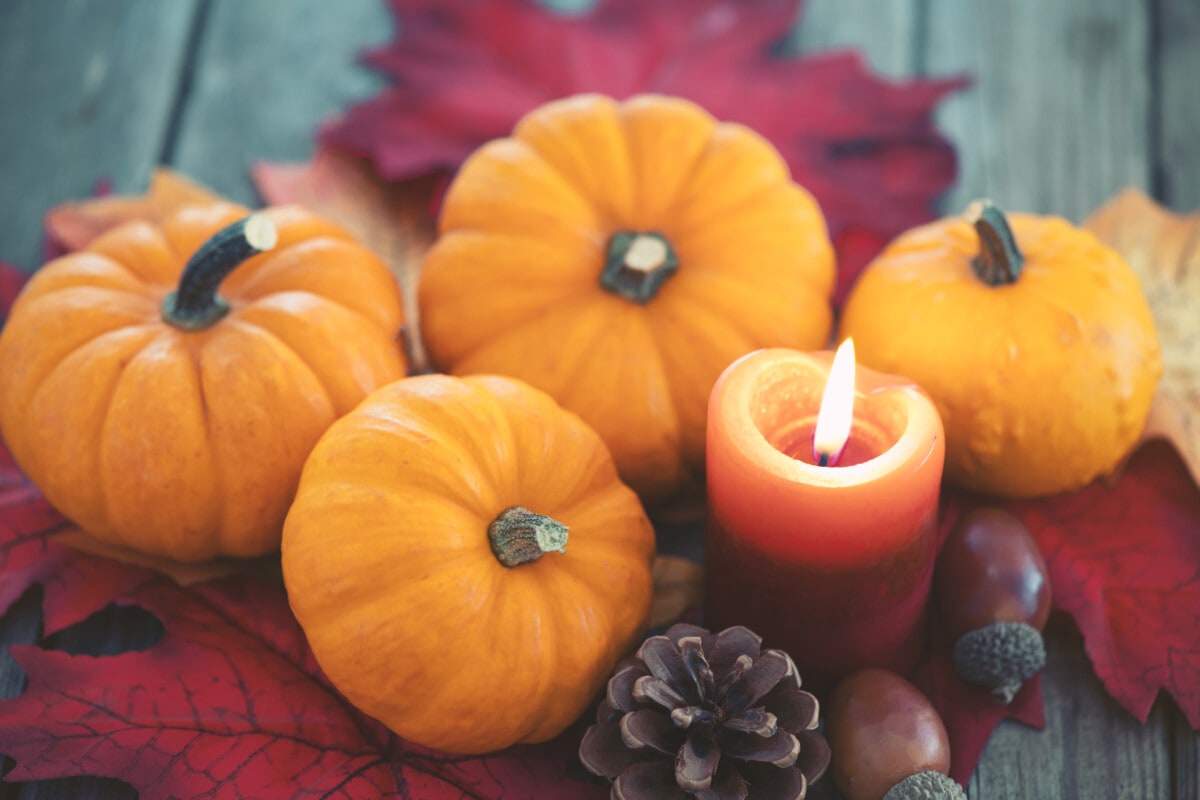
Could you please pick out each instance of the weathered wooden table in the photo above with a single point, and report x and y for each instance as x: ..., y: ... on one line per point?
x: 1073, y: 99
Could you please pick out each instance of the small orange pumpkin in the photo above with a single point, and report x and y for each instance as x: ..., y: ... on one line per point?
x: 619, y: 256
x: 1034, y: 341
x: 176, y: 423
x: 465, y: 562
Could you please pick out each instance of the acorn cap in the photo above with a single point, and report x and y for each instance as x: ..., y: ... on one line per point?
x: 1000, y: 656
x: 928, y: 785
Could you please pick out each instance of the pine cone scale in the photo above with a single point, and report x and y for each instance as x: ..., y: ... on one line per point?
x: 651, y: 729
x: 696, y: 763
x: 699, y: 730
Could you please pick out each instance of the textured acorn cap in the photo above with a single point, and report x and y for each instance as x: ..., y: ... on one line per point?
x: 1000, y: 656
x: 927, y: 785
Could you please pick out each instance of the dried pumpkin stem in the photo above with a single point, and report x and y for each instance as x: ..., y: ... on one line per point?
x: 195, y: 305
x: 637, y: 264
x: 519, y: 536
x: 999, y: 261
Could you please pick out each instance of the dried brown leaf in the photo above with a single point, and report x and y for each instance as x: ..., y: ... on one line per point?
x: 677, y: 587
x: 393, y: 219
x: 71, y: 226
x: 1164, y: 249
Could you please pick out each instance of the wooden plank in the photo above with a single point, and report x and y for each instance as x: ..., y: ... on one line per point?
x: 885, y: 33
x: 1177, y: 51
x: 1186, y: 758
x: 86, y: 89
x: 1091, y: 746
x: 94, y: 84
x: 1058, y: 118
x: 264, y: 80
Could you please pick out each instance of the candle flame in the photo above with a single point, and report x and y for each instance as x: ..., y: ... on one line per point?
x: 837, y: 408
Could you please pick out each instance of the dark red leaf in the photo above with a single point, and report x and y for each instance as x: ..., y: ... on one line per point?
x: 76, y: 585
x: 1125, y: 563
x: 11, y: 281
x: 465, y: 71
x: 231, y: 699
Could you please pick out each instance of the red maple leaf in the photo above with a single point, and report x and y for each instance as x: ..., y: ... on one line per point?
x: 1125, y: 563
x: 230, y: 700
x: 465, y: 71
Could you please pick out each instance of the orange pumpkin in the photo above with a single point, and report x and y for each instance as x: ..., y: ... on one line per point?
x: 1033, y: 339
x: 465, y: 562
x: 176, y: 423
x: 619, y: 256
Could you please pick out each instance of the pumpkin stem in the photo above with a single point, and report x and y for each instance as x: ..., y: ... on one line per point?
x: 195, y: 305
x: 519, y: 536
x: 637, y: 264
x: 999, y: 261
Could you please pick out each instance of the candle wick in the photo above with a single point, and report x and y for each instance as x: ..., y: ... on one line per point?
x: 823, y: 461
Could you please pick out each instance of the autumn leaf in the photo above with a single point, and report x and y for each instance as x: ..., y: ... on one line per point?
x: 395, y: 221
x: 678, y: 585
x: 11, y: 281
x: 1164, y: 249
x: 464, y: 72
x: 230, y: 701
x: 71, y: 226
x: 1125, y: 564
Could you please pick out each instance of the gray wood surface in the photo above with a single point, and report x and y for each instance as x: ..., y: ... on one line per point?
x: 86, y: 92
x: 1177, y: 105
x: 264, y: 79
x: 1058, y: 119
x: 1072, y: 100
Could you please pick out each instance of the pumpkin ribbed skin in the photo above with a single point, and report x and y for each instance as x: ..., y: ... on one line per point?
x: 389, y: 570
x: 1043, y: 384
x: 190, y: 444
x: 512, y: 284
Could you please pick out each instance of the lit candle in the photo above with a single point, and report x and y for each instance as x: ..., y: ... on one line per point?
x: 830, y: 563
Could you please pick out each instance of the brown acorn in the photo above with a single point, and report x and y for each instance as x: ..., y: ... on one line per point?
x: 888, y: 741
x: 994, y: 591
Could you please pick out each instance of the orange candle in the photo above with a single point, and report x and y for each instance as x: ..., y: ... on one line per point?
x: 830, y: 563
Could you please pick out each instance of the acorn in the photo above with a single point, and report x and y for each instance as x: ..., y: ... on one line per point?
x: 994, y: 591
x: 887, y: 740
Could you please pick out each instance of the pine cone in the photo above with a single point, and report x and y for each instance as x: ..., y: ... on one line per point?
x: 708, y: 716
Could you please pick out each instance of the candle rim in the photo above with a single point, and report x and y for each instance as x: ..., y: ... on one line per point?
x: 742, y: 381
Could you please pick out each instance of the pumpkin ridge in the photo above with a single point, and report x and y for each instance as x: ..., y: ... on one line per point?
x: 580, y: 191
x: 70, y: 271
x: 682, y: 111
x: 717, y: 215
x: 495, y: 340
x: 371, y: 322
x: 269, y: 313
x: 252, y: 329
x: 248, y: 293
x: 44, y: 380
x: 102, y: 445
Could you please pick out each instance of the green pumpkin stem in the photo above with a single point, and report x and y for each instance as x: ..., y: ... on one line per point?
x: 999, y: 261
x: 637, y: 264
x: 194, y: 305
x: 519, y: 536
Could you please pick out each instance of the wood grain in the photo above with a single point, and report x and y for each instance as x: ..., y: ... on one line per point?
x: 264, y: 80
x: 1177, y: 69
x: 1185, y: 757
x: 86, y: 93
x: 1057, y: 120
x: 1091, y: 747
